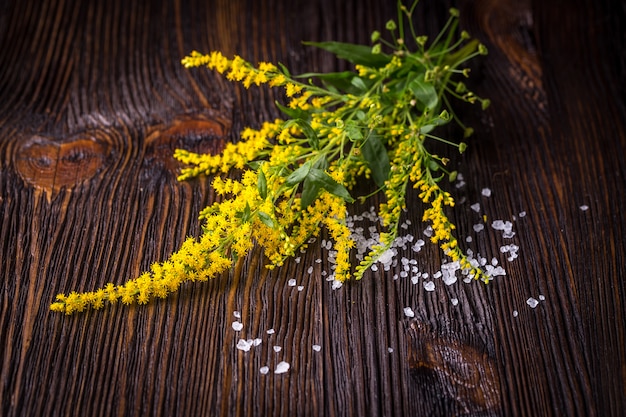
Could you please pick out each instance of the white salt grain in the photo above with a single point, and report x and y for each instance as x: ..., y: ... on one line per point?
x: 522, y: 214
x: 281, y: 368
x: 486, y: 192
x: 415, y: 279
x: 408, y: 311
x: 264, y: 370
x: 515, y: 313
x: 478, y: 227
x: 475, y: 207
x: 237, y: 314
x: 454, y: 301
x: 468, y: 239
x: 532, y: 302
x: 291, y: 282
x: 257, y: 342
x: 244, y: 345
x: 310, y: 270
x: 270, y: 331
x: 317, y: 348
x: 336, y: 284
x: 584, y: 207
x: 429, y: 286
x: 300, y: 287
x: 277, y: 349
x: 390, y: 350
x: 542, y: 298
x: 237, y: 326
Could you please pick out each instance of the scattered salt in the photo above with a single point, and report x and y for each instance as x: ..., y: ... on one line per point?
x: 390, y: 350
x: 454, y: 301
x: 515, y: 313
x: 475, y: 207
x: 310, y: 270
x: 237, y: 326
x: 336, y: 284
x: 542, y: 297
x: 468, y: 239
x: 281, y: 368
x: 237, y: 314
x: 486, y: 192
x: 277, y: 349
x: 270, y: 331
x: 429, y: 286
x: 300, y: 287
x: 522, y: 214
x: 264, y: 370
x: 415, y: 279
x: 408, y: 311
x: 478, y: 227
x: 584, y: 207
x: 291, y: 282
x: 317, y: 348
x: 257, y: 342
x: 532, y: 302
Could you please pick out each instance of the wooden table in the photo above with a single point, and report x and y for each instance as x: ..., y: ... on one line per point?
x: 93, y: 101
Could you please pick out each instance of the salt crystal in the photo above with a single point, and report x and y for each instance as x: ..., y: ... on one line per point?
x: 486, y: 192
x: 542, y: 298
x: 257, y: 342
x: 281, y: 368
x: 277, y: 349
x: 318, y: 261
x: 297, y: 259
x: 404, y: 274
x: 428, y: 232
x: 408, y: 311
x: 494, y: 261
x: 237, y: 314
x: 386, y: 257
x: 264, y: 370
x: 515, y: 313
x: 475, y: 207
x: 237, y: 326
x: 429, y: 286
x: 291, y: 282
x: 390, y: 350
x: 317, y: 348
x: 336, y: 284
x: 437, y: 274
x: 532, y: 302
x: 425, y: 275
x: 454, y: 301
x: 300, y: 287
x: 374, y: 268
x: 310, y: 270
x: 468, y: 239
x: 244, y: 345
x: 478, y: 227
x: 270, y: 331
x: 522, y: 214
x: 415, y: 279
x: 584, y: 207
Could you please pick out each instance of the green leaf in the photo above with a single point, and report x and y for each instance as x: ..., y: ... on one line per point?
x: 424, y: 92
x: 353, y: 131
x: 357, y: 54
x: 376, y: 156
x: 309, y: 132
x: 359, y: 83
x: 339, y: 81
x: 293, y: 113
x: 261, y: 184
x: 298, y: 175
x: 317, y: 180
x: 266, y: 219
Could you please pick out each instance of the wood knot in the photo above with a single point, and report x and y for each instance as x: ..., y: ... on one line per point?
x: 466, y: 373
x: 193, y: 133
x: 51, y: 164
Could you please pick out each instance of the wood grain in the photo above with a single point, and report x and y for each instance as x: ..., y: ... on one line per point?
x: 93, y: 101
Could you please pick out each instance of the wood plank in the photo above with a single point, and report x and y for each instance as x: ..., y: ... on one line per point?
x: 93, y: 101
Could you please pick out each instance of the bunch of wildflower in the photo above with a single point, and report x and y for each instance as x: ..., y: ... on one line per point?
x: 298, y: 173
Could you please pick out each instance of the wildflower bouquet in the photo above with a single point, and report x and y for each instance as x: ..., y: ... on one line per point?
x: 297, y: 174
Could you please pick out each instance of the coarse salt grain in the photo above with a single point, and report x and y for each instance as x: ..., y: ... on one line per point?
x: 277, y: 349
x: 475, y: 207
x: 282, y: 367
x: 454, y: 301
x: 515, y: 313
x: 264, y: 370
x: 244, y: 345
x: 237, y: 326
x: 257, y: 342
x: 522, y: 214
x: 478, y: 227
x: 532, y: 302
x: 584, y: 207
x: 390, y: 350
x: 270, y: 331
x: 486, y: 192
x: 291, y: 282
x: 300, y: 287
x: 237, y: 314
x: 408, y: 311
x: 317, y: 348
x: 542, y: 297
x: 429, y: 286
x: 310, y: 270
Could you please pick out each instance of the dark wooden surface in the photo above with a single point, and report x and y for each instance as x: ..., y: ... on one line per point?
x: 92, y: 103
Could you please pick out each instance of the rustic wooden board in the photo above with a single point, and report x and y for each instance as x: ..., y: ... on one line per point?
x: 93, y: 101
